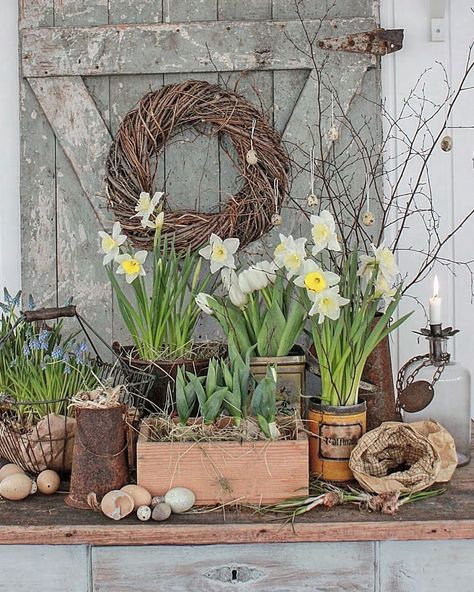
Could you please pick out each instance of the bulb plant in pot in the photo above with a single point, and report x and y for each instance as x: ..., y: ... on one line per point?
x: 157, y: 306
x: 350, y: 314
x: 228, y: 443
x: 261, y: 309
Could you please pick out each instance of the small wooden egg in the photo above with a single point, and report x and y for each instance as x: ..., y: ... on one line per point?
x: 276, y: 219
x: 312, y: 200
x: 144, y: 513
x: 15, y: 487
x: 117, y: 504
x: 368, y: 218
x: 158, y: 499
x: 251, y: 157
x: 180, y: 499
x: 161, y: 512
x: 333, y: 133
x: 10, y: 469
x: 140, y: 495
x: 48, y: 482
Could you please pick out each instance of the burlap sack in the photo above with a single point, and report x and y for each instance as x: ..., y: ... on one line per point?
x: 403, y: 457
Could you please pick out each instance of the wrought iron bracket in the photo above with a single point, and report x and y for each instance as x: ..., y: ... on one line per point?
x: 378, y: 42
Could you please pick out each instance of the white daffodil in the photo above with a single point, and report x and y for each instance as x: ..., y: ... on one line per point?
x: 257, y: 277
x: 203, y: 301
x: 146, y: 205
x: 328, y: 304
x: 383, y: 259
x: 323, y: 230
x: 131, y: 266
x: 314, y: 279
x: 220, y: 252
x: 290, y: 254
x: 231, y: 283
x: 110, y: 244
x: 384, y: 290
x: 156, y: 224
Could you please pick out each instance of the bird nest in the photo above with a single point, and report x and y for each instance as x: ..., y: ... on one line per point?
x: 211, y: 110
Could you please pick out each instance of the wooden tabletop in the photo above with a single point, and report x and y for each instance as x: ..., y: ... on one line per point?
x: 47, y: 520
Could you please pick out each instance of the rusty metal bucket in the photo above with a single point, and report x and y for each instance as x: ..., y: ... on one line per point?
x: 99, y: 461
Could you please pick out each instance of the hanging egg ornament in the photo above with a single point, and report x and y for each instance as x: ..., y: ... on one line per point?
x: 251, y: 157
x: 276, y: 219
x: 368, y: 218
x: 333, y: 133
x: 312, y: 200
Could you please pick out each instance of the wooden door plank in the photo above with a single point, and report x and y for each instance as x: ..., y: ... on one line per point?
x: 254, y: 10
x: 138, y: 11
x: 44, y: 569
x: 256, y: 568
x: 35, y: 13
x: 431, y: 567
x: 307, y: 9
x: 188, y: 47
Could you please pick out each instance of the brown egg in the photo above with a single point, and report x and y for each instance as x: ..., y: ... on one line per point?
x: 117, y: 504
x: 48, y: 482
x: 15, y: 487
x: 10, y: 469
x: 141, y: 497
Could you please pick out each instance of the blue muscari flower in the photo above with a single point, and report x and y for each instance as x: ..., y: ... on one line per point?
x: 57, y: 353
x: 43, y: 365
x: 6, y: 296
x: 26, y: 349
x: 80, y: 352
x: 67, y: 369
x: 16, y: 299
x: 35, y: 344
x: 43, y: 338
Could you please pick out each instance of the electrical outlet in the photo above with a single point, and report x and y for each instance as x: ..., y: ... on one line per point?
x: 438, y: 29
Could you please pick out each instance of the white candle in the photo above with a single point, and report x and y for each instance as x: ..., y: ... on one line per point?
x: 435, y: 304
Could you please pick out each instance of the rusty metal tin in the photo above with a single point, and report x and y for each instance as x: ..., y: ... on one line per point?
x: 335, y: 431
x: 290, y: 374
x: 100, y: 454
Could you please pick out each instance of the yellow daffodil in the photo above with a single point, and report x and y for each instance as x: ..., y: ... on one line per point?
x: 290, y: 254
x: 156, y: 224
x: 323, y: 231
x: 131, y: 266
x: 328, y: 304
x: 383, y: 259
x: 110, y: 244
x: 314, y: 279
x: 384, y: 290
x: 220, y: 252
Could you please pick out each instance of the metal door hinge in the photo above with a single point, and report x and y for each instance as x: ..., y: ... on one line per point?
x: 378, y: 42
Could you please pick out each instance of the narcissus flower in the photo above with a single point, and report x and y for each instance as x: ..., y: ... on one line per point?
x: 328, y: 304
x: 220, y: 252
x: 323, y: 231
x: 290, y: 254
x: 383, y: 259
x: 314, y: 279
x: 146, y: 205
x: 131, y: 266
x: 156, y: 224
x: 110, y: 244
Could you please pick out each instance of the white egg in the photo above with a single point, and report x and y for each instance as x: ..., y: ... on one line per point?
x: 180, y: 499
x: 144, y: 513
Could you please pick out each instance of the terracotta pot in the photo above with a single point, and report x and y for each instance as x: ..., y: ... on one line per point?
x: 334, y: 433
x: 165, y: 372
x: 290, y: 374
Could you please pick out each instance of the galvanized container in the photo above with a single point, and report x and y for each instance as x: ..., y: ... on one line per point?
x: 290, y: 374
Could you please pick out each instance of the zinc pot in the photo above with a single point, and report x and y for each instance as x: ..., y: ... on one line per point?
x: 290, y: 374
x: 334, y: 432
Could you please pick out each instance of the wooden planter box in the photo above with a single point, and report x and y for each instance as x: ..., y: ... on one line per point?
x: 222, y: 472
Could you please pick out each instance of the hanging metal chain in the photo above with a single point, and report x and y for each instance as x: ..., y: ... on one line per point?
x: 413, y: 396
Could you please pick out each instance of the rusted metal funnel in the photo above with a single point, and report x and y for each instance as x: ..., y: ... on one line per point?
x: 99, y: 461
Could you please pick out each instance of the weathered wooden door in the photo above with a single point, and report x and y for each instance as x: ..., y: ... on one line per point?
x: 85, y: 63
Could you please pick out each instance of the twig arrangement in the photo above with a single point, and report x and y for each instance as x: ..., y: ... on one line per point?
x: 211, y: 110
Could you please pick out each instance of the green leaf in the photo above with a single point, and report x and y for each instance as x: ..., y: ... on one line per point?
x: 271, y: 331
x: 213, y: 406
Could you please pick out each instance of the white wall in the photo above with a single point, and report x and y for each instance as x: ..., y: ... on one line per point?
x: 9, y: 148
x: 452, y: 173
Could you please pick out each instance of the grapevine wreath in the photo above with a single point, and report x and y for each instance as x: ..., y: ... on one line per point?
x: 211, y: 110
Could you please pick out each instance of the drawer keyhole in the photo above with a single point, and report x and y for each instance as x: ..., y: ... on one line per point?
x: 234, y: 574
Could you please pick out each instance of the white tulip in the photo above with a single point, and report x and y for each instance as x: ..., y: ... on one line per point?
x: 324, y: 232
x: 203, y: 301
x: 220, y: 252
x: 110, y: 244
x: 257, y: 277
